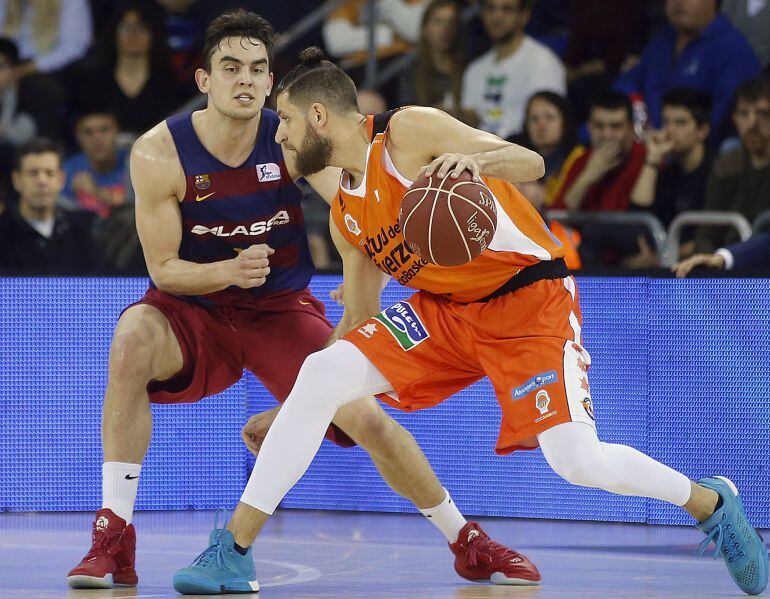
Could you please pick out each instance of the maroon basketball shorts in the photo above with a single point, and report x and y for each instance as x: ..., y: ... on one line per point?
x: 271, y: 339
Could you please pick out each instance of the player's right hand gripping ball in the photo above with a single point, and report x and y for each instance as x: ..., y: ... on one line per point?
x: 448, y: 221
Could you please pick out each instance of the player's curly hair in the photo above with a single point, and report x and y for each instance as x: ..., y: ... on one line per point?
x: 317, y: 79
x: 239, y: 23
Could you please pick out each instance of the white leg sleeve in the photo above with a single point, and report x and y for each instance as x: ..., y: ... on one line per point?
x: 575, y: 453
x: 328, y: 380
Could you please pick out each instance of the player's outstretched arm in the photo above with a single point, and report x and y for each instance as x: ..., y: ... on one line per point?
x: 427, y: 136
x: 158, y: 181
x: 363, y: 284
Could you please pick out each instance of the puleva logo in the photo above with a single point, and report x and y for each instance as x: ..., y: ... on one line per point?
x: 534, y: 383
x: 403, y: 323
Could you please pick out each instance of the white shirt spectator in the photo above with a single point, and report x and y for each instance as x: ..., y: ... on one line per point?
x: 73, y: 38
x: 498, y: 90
x: 346, y: 31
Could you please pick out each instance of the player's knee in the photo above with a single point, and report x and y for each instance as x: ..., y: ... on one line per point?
x: 131, y: 356
x: 370, y: 427
x: 314, y: 384
x: 579, y: 471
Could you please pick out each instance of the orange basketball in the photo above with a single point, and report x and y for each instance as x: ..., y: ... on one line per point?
x: 448, y: 221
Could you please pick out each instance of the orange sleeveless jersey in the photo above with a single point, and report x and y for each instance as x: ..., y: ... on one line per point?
x: 368, y: 218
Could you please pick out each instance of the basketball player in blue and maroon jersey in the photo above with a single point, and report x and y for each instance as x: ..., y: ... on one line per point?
x: 221, y: 227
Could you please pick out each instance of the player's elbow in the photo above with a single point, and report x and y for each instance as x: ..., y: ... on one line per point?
x: 538, y: 166
x: 160, y: 277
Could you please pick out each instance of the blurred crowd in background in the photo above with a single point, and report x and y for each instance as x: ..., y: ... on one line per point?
x: 640, y: 108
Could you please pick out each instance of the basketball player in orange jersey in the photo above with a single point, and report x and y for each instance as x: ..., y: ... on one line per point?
x: 221, y: 227
x: 512, y: 314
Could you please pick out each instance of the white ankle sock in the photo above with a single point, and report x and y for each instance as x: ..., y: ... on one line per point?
x: 120, y: 482
x: 446, y: 517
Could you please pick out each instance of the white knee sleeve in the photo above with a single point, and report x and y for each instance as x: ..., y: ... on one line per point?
x: 575, y: 453
x: 327, y: 381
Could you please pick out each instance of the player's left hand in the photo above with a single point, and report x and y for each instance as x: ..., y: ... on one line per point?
x: 254, y: 431
x: 454, y: 164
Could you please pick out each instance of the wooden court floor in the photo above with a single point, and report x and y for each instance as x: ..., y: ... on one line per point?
x: 306, y: 554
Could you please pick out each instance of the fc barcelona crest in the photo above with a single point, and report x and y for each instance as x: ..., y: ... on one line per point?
x: 202, y: 182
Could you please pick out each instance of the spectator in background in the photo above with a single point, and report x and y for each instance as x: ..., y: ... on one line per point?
x: 602, y: 178
x: 549, y: 130
x: 346, y: 31
x: 752, y: 19
x: 97, y: 177
x: 50, y: 34
x: 754, y: 253
x: 134, y: 80
x: 678, y: 158
x: 37, y: 236
x: 496, y: 85
x: 699, y: 48
x: 740, y: 179
x: 436, y: 77
x: 16, y: 126
x: 678, y: 161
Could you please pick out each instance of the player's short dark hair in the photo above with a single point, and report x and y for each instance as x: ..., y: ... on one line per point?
x: 612, y: 100
x: 753, y: 90
x: 317, y: 79
x: 36, y: 145
x: 238, y: 23
x: 698, y: 103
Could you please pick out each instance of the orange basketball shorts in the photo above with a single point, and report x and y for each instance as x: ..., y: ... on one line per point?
x: 527, y: 342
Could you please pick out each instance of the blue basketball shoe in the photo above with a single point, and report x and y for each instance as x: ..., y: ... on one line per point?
x: 220, y: 569
x: 741, y: 546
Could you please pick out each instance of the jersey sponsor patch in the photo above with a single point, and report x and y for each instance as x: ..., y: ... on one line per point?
x: 269, y: 171
x: 535, y: 383
x: 258, y: 228
x: 403, y: 323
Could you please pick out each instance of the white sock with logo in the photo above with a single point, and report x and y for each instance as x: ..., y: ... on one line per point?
x: 120, y: 481
x: 446, y: 517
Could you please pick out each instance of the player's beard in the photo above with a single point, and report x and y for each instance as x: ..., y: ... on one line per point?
x: 314, y: 154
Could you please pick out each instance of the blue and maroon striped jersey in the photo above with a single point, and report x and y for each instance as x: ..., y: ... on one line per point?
x: 227, y: 209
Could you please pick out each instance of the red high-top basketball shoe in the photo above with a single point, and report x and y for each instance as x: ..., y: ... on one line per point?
x: 477, y: 557
x: 110, y: 562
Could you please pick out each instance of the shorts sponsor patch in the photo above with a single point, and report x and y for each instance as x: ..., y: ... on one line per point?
x: 535, y: 383
x: 542, y: 401
x: 403, y: 323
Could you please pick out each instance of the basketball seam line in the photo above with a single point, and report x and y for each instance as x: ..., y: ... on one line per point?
x: 459, y: 229
x: 491, y: 224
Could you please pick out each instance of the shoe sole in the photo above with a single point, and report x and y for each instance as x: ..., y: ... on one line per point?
x: 188, y: 585
x: 502, y: 579
x: 81, y: 581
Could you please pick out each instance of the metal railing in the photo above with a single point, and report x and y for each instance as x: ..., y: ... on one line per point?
x: 645, y: 219
x: 761, y: 222
x: 700, y: 218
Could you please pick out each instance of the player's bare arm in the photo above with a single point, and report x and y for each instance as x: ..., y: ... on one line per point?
x: 159, y: 183
x: 427, y: 141
x: 363, y: 284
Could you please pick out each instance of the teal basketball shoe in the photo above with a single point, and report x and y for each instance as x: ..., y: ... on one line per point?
x: 220, y: 569
x: 741, y: 546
